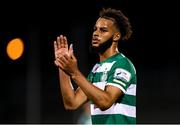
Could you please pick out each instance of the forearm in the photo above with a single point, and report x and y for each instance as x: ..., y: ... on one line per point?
x: 66, y: 89
x: 98, y: 96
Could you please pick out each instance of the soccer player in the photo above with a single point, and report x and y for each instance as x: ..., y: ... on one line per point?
x: 111, y: 84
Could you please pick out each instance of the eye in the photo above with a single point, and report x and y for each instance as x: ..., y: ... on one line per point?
x: 103, y: 30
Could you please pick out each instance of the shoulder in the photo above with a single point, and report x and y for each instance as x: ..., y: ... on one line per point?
x: 123, y: 62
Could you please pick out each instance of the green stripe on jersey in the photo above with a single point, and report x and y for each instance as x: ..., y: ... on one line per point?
x: 128, y: 99
x: 113, y: 119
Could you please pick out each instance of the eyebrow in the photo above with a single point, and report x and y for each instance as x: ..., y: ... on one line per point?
x: 104, y: 27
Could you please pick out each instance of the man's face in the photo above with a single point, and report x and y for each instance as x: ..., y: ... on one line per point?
x: 104, y: 30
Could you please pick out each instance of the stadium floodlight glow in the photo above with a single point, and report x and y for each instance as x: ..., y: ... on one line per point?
x: 15, y: 48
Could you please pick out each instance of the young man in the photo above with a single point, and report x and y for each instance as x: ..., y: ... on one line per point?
x: 111, y: 84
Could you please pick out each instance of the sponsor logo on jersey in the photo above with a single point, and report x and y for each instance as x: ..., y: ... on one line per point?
x: 122, y: 74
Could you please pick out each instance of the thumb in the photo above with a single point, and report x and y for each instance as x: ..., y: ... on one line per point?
x: 71, y: 51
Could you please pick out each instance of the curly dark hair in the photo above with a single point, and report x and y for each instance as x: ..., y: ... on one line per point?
x: 119, y: 19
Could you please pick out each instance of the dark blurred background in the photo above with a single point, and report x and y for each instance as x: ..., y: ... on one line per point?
x: 29, y: 88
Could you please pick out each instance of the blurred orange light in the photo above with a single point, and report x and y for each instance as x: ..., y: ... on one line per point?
x: 15, y: 48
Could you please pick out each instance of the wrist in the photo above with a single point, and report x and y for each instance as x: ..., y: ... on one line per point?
x: 75, y: 75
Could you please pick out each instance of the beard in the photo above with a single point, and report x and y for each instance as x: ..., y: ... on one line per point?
x: 102, y: 47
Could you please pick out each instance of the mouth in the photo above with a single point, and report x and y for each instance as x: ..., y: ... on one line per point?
x: 95, y: 41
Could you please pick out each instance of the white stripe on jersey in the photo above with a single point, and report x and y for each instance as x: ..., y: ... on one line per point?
x: 117, y: 108
x: 131, y: 90
x: 118, y: 86
x: 105, y: 67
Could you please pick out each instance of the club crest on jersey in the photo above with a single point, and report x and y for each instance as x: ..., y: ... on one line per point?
x: 122, y: 74
x: 104, y: 77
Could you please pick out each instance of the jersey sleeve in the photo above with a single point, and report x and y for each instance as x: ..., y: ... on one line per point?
x: 120, y: 75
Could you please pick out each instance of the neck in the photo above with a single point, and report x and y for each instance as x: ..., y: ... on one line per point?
x: 108, y: 53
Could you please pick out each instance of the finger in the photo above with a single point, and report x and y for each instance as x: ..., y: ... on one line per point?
x: 73, y: 56
x: 66, y: 57
x: 71, y: 52
x: 63, y: 59
x: 60, y: 63
x: 61, y: 41
x: 58, y: 42
x: 56, y: 63
x: 70, y: 49
x: 55, y: 47
x: 65, y: 42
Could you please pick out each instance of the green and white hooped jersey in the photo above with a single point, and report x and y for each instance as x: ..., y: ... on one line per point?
x: 117, y: 71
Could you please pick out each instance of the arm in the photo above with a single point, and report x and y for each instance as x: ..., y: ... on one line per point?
x: 71, y: 99
x: 102, y: 98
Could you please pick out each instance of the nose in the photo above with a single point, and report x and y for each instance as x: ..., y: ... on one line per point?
x: 95, y: 33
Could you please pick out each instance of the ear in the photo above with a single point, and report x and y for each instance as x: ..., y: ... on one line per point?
x: 116, y: 36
